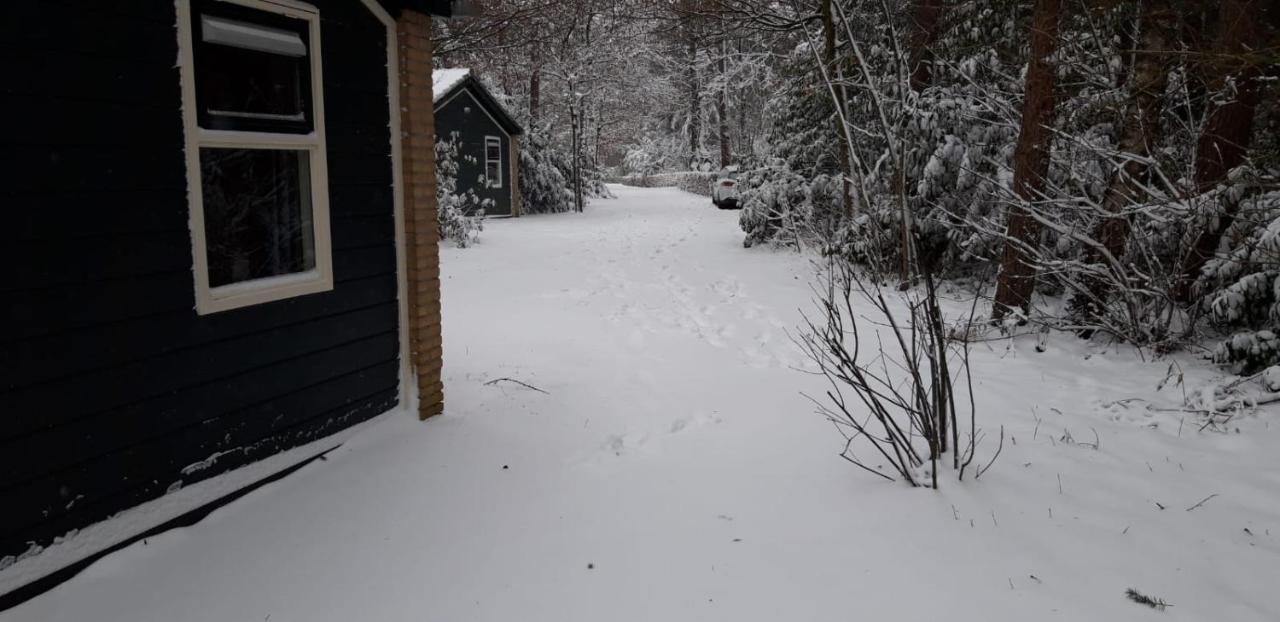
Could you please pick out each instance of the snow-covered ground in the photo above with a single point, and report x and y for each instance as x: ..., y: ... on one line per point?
x: 672, y: 471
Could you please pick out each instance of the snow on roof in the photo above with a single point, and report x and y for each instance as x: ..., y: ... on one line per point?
x: 443, y: 80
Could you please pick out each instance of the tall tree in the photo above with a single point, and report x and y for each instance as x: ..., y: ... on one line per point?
x: 689, y: 17
x: 535, y: 90
x: 925, y: 25
x: 1224, y: 140
x: 722, y: 108
x: 826, y: 13
x: 1138, y: 137
x: 1017, y: 278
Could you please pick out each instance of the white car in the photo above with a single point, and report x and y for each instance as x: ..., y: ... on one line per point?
x: 724, y: 193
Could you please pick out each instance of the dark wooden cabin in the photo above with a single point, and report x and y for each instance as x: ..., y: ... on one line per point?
x: 487, y: 139
x: 214, y: 237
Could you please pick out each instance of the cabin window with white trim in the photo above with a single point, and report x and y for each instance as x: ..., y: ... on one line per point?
x: 252, y: 108
x: 493, y: 161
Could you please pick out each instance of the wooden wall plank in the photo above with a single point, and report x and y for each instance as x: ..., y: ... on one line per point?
x: 47, y: 404
x: 110, y: 383
x: 19, y: 530
x: 303, y: 381
x: 73, y: 353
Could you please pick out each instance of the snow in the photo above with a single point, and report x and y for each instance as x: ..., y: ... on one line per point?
x: 672, y: 470
x: 443, y: 80
x: 41, y: 561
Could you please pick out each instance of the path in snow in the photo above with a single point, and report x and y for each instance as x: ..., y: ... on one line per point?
x: 673, y: 472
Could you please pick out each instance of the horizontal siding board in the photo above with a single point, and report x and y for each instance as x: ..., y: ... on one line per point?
x: 363, y: 140
x: 92, y: 123
x: 38, y: 313
x: 355, y: 24
x: 360, y: 54
x: 51, y: 309
x: 42, y: 215
x: 157, y: 12
x: 164, y: 457
x: 113, y: 486
x: 148, y: 83
x: 78, y: 261
x: 139, y: 30
x: 46, y: 219
x: 360, y: 231
x: 356, y: 108
x: 92, y: 259
x: 359, y: 168
x: 68, y: 353
x: 350, y: 200
x: 362, y: 263
x: 50, y: 404
x: 117, y: 430
x: 114, y: 180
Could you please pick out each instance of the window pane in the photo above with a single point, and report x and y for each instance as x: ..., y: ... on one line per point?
x: 493, y: 162
x: 250, y: 76
x: 257, y: 213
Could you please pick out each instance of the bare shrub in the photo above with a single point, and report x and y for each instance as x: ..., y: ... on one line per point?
x: 905, y: 403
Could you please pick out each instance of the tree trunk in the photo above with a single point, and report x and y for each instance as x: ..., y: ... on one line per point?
x: 576, y: 164
x: 926, y: 22
x: 829, y: 56
x: 505, y: 72
x: 1224, y: 140
x: 1199, y: 26
x: 722, y: 110
x: 1030, y: 163
x: 828, y: 31
x: 595, y: 149
x: 744, y: 141
x: 535, y: 94
x: 695, y: 102
x: 1138, y: 137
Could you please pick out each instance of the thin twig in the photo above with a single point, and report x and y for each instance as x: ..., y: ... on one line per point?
x: 1202, y: 501
x: 523, y: 384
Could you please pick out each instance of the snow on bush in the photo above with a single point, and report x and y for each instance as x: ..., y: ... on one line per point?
x: 461, y: 213
x: 544, y: 176
x: 934, y: 165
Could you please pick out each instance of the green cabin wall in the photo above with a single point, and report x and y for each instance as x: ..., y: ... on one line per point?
x: 464, y: 114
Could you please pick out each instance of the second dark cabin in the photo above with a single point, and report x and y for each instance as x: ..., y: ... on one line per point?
x: 487, y: 138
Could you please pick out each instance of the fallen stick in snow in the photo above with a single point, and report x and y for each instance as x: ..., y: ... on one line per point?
x: 1202, y: 501
x: 1142, y: 599
x: 523, y: 384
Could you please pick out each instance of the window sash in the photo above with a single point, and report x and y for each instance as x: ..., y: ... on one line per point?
x: 262, y: 26
x: 493, y: 144
x: 279, y: 287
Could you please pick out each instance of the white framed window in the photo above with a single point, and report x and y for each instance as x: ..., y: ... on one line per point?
x: 257, y: 176
x: 493, y: 161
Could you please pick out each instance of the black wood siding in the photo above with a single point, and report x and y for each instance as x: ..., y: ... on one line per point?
x: 110, y: 384
x: 472, y: 126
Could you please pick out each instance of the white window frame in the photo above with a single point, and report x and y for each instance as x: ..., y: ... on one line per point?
x: 263, y: 290
x: 487, y: 141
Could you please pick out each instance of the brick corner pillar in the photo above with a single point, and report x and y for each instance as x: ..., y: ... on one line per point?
x: 422, y: 225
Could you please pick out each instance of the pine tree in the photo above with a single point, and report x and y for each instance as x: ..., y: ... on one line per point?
x: 1016, y: 281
